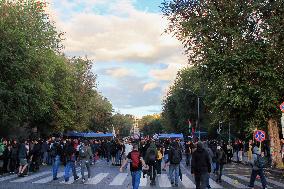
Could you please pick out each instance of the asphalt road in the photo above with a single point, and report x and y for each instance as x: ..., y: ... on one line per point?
x: 106, y: 176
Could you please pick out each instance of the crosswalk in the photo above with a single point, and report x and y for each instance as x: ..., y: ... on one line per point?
x: 123, y: 179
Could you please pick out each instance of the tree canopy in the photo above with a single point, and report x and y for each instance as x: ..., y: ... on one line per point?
x: 39, y: 86
x: 237, y: 47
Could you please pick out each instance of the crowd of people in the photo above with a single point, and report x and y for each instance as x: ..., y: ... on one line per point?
x: 146, y: 156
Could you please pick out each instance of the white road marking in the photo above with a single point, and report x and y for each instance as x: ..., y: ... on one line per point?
x: 119, y: 179
x: 187, y: 183
x: 48, y: 179
x: 31, y: 177
x: 275, y: 182
x: 214, y: 184
x: 232, y: 182
x: 164, y: 181
x: 143, y: 181
x: 8, y: 177
x: 71, y: 180
x: 98, y: 178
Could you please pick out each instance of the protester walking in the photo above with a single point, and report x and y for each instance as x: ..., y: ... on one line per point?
x: 85, y: 154
x: 151, y: 161
x: 56, y: 153
x: 258, y: 163
x: 200, y: 166
x: 23, y: 155
x: 175, y: 157
x: 135, y: 166
x: 69, y: 152
x: 221, y: 160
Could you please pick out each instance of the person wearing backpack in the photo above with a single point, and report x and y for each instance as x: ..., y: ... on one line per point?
x: 85, y: 154
x: 151, y: 160
x: 258, y: 163
x: 136, y: 163
x: 200, y: 166
x: 175, y: 157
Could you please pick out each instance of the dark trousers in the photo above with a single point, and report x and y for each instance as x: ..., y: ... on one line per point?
x: 201, y: 180
x: 13, y: 164
x: 5, y: 165
x: 254, y: 173
x: 188, y: 159
x: 219, y: 168
x: 159, y: 166
x: 152, y: 171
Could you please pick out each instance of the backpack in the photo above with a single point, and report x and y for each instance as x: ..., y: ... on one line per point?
x: 175, y: 159
x: 83, y: 151
x: 135, y: 158
x: 152, y: 155
x: 260, y: 162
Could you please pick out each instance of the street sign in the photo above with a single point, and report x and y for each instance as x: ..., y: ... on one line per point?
x: 259, y: 135
x: 282, y: 107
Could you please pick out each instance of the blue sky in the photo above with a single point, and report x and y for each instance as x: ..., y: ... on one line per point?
x: 134, y: 60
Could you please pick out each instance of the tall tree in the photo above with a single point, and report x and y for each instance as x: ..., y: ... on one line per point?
x: 239, y: 49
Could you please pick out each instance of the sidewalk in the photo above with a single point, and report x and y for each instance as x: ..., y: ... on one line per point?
x: 279, y: 172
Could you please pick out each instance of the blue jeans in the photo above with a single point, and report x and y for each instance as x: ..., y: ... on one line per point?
x: 254, y: 173
x: 188, y: 159
x: 214, y: 165
x: 117, y: 157
x: 174, y: 168
x: 69, y: 165
x: 45, y: 157
x: 136, y: 175
x: 55, y: 166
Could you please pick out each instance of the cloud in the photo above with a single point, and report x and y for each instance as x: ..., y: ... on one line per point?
x: 122, y: 33
x: 119, y: 72
x: 168, y: 74
x: 150, y: 86
x: 115, y: 33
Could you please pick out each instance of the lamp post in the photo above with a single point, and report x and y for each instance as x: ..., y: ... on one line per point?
x: 198, y: 111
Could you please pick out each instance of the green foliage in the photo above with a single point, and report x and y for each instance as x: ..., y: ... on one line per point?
x: 238, y: 49
x: 151, y: 124
x: 181, y: 103
x: 122, y: 124
x: 38, y: 85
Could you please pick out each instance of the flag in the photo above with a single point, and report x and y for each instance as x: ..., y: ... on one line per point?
x: 189, y: 126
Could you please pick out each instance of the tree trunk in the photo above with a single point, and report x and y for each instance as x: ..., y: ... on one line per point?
x: 275, y: 147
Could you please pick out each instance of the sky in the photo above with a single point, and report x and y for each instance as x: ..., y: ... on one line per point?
x: 135, y: 61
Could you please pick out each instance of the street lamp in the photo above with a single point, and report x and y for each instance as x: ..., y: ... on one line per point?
x: 198, y: 109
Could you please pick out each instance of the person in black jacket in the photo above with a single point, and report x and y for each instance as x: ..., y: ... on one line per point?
x: 200, y: 166
x: 35, y: 156
x: 175, y: 157
x: 14, y: 157
x: 69, y: 151
x: 6, y: 156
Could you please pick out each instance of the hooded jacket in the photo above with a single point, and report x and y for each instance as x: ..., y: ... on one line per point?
x: 200, y: 162
x: 152, y: 149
